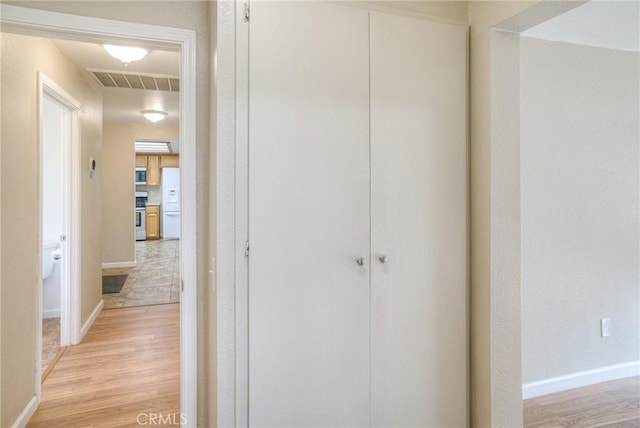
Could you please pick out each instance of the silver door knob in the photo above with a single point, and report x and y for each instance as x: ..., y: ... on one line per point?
x: 360, y: 261
x: 383, y: 258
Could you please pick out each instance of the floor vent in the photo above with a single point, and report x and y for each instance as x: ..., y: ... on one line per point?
x: 112, y: 79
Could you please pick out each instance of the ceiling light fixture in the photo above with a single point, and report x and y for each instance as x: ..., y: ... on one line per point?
x: 126, y: 54
x: 154, y: 115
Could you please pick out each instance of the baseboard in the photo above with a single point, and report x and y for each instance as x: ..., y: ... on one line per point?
x: 27, y: 413
x: 577, y: 380
x: 87, y: 325
x: 51, y: 313
x: 119, y: 265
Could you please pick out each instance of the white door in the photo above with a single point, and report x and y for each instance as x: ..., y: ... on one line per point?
x: 308, y: 215
x: 418, y: 219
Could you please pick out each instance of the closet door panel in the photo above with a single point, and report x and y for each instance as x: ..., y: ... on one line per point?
x: 419, y: 217
x: 308, y: 215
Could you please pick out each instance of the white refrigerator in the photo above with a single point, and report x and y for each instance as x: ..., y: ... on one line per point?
x: 170, y: 203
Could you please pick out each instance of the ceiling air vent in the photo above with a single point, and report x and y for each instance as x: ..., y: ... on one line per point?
x: 114, y: 79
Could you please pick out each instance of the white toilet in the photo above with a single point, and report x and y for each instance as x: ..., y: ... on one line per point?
x: 51, y: 255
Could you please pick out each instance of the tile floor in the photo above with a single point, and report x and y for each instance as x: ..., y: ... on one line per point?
x: 155, y: 279
x: 50, y: 340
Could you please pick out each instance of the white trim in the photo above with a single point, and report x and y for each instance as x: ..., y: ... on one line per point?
x: 88, y: 29
x: 92, y: 318
x: 119, y: 265
x: 225, y: 216
x: 242, y: 218
x: 375, y: 6
x: 27, y: 413
x: 51, y: 313
x: 188, y: 233
x: 56, y: 91
x: 97, y: 30
x: 72, y: 304
x: 580, y: 379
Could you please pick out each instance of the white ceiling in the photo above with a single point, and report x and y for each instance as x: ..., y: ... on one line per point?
x: 598, y: 23
x: 121, y: 104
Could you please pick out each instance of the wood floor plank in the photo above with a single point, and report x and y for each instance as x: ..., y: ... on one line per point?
x: 614, y: 404
x: 126, y: 370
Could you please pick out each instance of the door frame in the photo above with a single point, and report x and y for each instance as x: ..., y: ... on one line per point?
x: 69, y: 292
x: 42, y: 23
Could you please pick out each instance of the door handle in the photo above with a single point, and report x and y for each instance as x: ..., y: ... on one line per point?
x: 383, y: 258
x: 360, y: 261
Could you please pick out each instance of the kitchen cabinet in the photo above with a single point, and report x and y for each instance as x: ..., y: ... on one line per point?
x: 141, y: 161
x: 154, y: 163
x: 153, y: 221
x: 153, y: 170
x: 358, y: 218
x: 169, y: 161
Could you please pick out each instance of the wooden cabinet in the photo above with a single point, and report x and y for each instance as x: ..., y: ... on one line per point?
x: 154, y: 163
x: 169, y: 161
x: 153, y: 170
x: 153, y: 222
x: 141, y: 161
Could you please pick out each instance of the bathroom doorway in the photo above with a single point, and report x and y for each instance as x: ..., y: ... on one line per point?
x: 58, y: 144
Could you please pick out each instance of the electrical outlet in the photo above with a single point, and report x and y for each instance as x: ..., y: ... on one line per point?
x: 605, y: 327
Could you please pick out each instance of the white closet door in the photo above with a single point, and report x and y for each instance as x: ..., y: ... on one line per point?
x: 308, y: 215
x: 419, y: 215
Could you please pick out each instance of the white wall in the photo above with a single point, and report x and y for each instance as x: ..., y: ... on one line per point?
x: 580, y: 210
x: 21, y: 58
x: 495, y: 332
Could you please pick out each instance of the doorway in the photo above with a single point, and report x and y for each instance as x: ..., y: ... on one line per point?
x: 547, y: 270
x: 58, y: 145
x: 38, y: 22
x: 154, y: 277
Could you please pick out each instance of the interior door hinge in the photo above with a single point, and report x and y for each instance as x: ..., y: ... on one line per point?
x: 246, y: 248
x: 246, y: 12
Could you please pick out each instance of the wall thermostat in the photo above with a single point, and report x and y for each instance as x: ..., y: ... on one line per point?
x: 92, y: 167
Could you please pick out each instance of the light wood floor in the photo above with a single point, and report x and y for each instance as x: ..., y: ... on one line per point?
x: 128, y: 365
x: 609, y: 404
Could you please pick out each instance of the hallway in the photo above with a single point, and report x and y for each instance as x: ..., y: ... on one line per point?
x: 125, y: 371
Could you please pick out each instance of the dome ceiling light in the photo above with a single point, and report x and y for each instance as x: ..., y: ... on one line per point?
x: 154, y: 115
x: 126, y: 54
